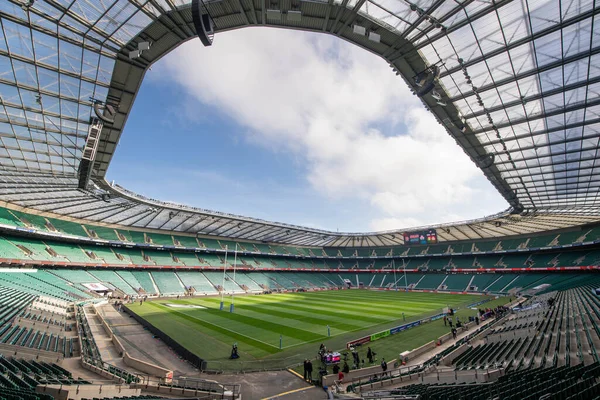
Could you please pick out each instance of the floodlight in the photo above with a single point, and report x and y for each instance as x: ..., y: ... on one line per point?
x: 143, y: 46
x: 273, y: 14
x: 359, y: 30
x: 374, y: 37
x: 134, y: 54
x: 295, y: 16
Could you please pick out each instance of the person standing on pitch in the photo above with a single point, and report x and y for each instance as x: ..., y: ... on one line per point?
x: 309, y: 368
x: 370, y: 355
x: 305, y: 370
x: 346, y: 368
x: 336, y: 369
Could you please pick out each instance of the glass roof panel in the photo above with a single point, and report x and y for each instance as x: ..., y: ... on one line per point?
x: 55, y: 56
x: 520, y: 72
x: 531, y: 64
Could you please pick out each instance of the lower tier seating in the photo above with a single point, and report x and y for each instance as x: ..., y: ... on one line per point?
x: 579, y: 382
x: 69, y: 284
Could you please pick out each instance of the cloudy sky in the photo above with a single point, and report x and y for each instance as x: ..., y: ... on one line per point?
x: 295, y: 127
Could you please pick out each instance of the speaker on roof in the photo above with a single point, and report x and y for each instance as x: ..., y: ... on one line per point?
x: 106, y: 114
x: 425, y: 81
x: 486, y: 160
x: 202, y: 22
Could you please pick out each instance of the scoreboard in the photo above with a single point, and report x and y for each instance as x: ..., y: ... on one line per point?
x: 421, y: 237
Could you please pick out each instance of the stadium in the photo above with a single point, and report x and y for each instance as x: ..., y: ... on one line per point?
x: 106, y: 293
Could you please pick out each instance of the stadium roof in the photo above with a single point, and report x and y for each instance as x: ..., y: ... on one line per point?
x: 517, y: 86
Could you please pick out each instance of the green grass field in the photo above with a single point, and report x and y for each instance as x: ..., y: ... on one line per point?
x: 300, y: 319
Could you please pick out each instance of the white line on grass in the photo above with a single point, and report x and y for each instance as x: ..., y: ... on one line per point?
x: 237, y: 333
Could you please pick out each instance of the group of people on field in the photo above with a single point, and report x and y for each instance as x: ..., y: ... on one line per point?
x: 345, y: 368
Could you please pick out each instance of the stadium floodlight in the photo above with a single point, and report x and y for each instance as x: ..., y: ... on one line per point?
x: 273, y: 14
x: 359, y: 30
x: 143, y: 46
x: 374, y: 37
x: 134, y: 54
x: 438, y: 98
x: 294, y: 16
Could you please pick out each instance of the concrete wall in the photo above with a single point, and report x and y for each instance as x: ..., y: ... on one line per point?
x: 376, y: 369
x: 77, y: 392
x: 408, y: 356
x: 100, y: 371
x: 143, y: 366
x: 150, y: 369
x: 171, y: 391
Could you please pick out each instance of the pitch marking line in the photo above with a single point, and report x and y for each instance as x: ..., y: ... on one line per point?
x: 232, y: 331
x: 288, y: 392
x: 295, y: 373
x: 274, y: 346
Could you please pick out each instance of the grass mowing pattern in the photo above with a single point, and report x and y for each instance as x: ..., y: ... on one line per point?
x: 300, y: 318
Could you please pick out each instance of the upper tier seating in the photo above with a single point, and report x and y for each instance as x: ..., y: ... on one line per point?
x: 59, y: 225
x: 160, y: 257
x: 107, y: 255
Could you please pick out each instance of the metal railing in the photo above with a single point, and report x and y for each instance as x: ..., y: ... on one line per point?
x: 118, y: 372
x: 404, y: 373
x: 230, y: 390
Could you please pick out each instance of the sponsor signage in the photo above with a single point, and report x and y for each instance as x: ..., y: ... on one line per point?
x: 380, y: 335
x: 436, y: 317
x: 404, y: 327
x: 362, y: 340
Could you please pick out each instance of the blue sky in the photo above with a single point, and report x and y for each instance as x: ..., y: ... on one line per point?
x: 294, y: 127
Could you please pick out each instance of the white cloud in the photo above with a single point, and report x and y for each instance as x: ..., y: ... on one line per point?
x: 391, y: 223
x: 321, y: 100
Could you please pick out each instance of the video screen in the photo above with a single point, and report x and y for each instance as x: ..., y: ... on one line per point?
x: 422, y: 237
